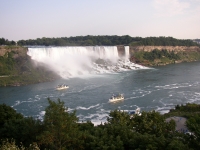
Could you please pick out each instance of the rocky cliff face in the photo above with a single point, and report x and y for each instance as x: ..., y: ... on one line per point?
x: 18, y: 51
x: 121, y: 50
x: 168, y: 48
x: 184, y: 54
x: 176, y: 49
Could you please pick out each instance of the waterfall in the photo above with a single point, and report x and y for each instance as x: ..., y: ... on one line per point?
x: 126, y: 52
x: 72, y: 61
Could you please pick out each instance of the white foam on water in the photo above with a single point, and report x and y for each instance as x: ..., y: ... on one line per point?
x: 37, y: 97
x: 28, y: 101
x: 173, y: 86
x: 139, y: 93
x: 17, y: 103
x: 83, y: 61
x: 163, y: 111
x: 41, y: 115
x: 98, y: 117
x: 85, y: 108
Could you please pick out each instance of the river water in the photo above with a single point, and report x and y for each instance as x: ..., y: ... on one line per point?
x: 158, y: 88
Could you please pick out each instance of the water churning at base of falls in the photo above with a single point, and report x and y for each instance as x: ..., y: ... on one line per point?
x: 82, y: 61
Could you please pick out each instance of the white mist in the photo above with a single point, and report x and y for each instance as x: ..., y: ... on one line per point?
x: 80, y: 61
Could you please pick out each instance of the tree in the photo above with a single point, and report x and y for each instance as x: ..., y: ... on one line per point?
x: 22, y: 130
x: 61, y: 130
x: 14, y: 126
x: 118, y: 117
x: 2, y: 41
x: 153, y: 123
x: 8, y: 113
x: 176, y: 144
x: 193, y: 123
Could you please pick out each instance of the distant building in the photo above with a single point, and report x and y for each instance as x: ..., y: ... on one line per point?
x: 197, y: 41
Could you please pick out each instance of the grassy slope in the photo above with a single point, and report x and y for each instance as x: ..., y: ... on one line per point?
x: 23, y: 70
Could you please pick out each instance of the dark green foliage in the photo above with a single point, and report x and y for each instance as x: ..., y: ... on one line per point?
x: 193, y: 123
x: 160, y: 57
x: 165, y: 41
x: 6, y: 42
x: 22, y: 130
x: 60, y: 127
x: 186, y: 110
x: 14, y: 126
x: 108, y: 40
x: 7, y: 113
x: 189, y: 107
x: 118, y: 117
x: 157, y: 54
x: 153, y: 123
x: 61, y: 130
x: 148, y: 131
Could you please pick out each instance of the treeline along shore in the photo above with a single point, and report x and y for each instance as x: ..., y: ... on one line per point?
x: 104, y: 40
x: 109, y: 41
x: 17, y: 68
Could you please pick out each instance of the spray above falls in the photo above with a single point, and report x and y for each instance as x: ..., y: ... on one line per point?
x: 80, y: 61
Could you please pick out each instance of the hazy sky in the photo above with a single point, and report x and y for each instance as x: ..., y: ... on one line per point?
x: 31, y: 19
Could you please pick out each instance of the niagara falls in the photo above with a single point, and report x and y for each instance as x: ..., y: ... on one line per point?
x: 73, y: 61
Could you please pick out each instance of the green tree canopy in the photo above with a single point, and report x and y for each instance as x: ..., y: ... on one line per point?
x: 60, y: 127
x: 8, y: 113
x: 90, y: 40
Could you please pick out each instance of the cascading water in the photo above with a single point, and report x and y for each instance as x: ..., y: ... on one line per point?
x: 126, y: 52
x: 82, y: 61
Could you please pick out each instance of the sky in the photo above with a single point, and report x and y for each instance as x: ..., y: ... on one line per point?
x: 32, y: 19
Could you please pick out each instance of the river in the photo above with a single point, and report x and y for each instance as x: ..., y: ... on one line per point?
x: 158, y: 88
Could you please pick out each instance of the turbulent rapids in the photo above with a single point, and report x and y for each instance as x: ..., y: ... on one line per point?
x: 80, y: 61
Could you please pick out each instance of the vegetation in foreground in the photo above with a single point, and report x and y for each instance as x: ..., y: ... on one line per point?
x: 61, y: 130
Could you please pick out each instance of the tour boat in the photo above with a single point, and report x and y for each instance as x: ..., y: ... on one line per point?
x: 62, y: 87
x: 116, y: 98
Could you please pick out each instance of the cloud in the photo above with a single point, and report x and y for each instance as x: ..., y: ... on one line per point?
x: 169, y: 8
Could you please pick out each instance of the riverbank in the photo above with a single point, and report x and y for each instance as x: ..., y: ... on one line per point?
x: 164, y: 55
